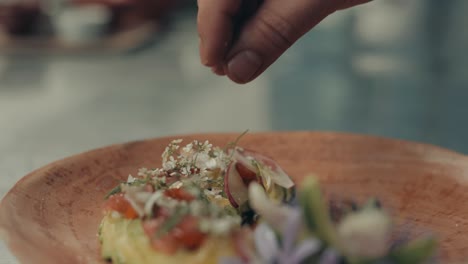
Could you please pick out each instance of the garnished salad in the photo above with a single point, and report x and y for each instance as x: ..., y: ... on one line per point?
x: 208, y: 204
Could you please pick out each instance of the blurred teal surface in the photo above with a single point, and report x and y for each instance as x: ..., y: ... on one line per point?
x: 392, y: 68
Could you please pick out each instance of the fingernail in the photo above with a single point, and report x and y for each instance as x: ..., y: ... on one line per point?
x: 203, y: 60
x: 243, y: 66
x: 218, y: 70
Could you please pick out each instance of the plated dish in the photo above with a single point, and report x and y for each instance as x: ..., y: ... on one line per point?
x: 54, y: 212
x: 207, y: 204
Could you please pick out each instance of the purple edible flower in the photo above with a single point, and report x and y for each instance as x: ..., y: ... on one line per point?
x: 329, y: 256
x: 270, y: 250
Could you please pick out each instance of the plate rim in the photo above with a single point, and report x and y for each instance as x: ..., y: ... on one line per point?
x: 233, y: 134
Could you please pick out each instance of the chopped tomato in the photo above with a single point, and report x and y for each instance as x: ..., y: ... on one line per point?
x: 179, y: 194
x: 247, y: 175
x: 185, y: 235
x: 188, y: 234
x: 168, y: 245
x: 118, y: 203
x: 150, y: 226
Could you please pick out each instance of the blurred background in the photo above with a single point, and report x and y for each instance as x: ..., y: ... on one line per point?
x: 86, y: 73
x: 82, y: 74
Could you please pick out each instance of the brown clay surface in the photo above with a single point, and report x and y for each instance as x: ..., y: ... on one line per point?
x: 52, y: 215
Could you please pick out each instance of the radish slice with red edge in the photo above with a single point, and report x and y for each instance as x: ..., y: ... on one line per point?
x: 239, y: 156
x: 267, y: 167
x: 234, y: 186
x: 249, y: 166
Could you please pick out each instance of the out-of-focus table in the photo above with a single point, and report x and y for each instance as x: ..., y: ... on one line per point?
x: 379, y: 69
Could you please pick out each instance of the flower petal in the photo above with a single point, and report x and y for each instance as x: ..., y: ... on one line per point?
x: 305, y: 249
x: 290, y: 230
x: 274, y: 214
x: 330, y: 256
x: 266, y: 243
x: 365, y: 233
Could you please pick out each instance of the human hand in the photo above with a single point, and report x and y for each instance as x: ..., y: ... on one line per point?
x: 242, y: 38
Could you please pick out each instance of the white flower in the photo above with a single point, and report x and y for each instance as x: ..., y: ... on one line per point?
x: 206, y: 147
x: 166, y: 154
x: 219, y: 226
x: 137, y: 197
x: 365, y: 233
x: 187, y: 148
x: 156, y: 172
x: 176, y: 141
x: 176, y: 185
x: 143, y: 172
x: 148, y: 208
x: 222, y: 160
x: 211, y: 163
x: 170, y: 164
x: 131, y: 179
x: 170, y: 149
x: 201, y: 160
x: 197, y: 208
x: 185, y: 171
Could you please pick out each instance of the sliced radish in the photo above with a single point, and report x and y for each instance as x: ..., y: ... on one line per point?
x: 249, y: 166
x: 240, y: 156
x: 234, y: 186
x: 247, y: 175
x: 268, y: 168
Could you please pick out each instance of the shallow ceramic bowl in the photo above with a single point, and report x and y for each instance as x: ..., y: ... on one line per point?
x: 52, y: 215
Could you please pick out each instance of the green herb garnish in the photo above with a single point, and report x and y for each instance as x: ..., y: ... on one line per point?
x: 315, y: 212
x: 234, y: 143
x: 417, y: 251
x: 116, y: 190
x: 177, y: 216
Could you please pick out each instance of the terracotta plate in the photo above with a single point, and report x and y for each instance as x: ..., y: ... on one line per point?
x: 52, y: 215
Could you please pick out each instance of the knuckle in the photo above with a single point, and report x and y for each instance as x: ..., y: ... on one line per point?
x: 276, y: 30
x: 343, y: 4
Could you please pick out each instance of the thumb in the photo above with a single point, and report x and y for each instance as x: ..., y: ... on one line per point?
x: 276, y: 25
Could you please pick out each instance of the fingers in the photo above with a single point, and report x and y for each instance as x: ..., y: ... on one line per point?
x: 264, y: 30
x: 215, y: 27
x: 343, y: 4
x: 218, y: 70
x: 276, y: 25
